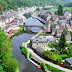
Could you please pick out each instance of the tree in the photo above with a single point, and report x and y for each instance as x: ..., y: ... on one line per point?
x: 52, y: 45
x: 70, y: 52
x: 60, y: 10
x: 38, y: 9
x: 62, y: 44
x: 49, y: 54
x: 49, y: 12
x: 9, y: 63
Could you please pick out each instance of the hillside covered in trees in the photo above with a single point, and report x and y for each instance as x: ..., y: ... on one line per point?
x: 13, y: 4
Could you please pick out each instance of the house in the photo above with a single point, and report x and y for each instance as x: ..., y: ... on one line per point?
x: 62, y: 23
x: 48, y: 26
x: 55, y: 17
x: 39, y: 43
x: 15, y: 22
x: 67, y: 14
x: 67, y: 36
x: 68, y: 62
x: 42, y: 42
x: 58, y: 32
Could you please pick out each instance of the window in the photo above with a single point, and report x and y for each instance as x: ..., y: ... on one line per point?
x: 43, y: 46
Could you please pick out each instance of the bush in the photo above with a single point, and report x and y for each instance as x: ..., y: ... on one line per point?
x: 52, y: 45
x: 24, y: 51
x: 49, y: 12
x: 21, y: 28
x: 30, y: 55
x: 1, y: 68
x: 52, y: 69
x: 43, y: 66
x: 49, y: 54
x: 15, y: 32
x: 38, y: 9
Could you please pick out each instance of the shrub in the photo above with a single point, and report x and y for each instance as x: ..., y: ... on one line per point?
x: 49, y: 54
x: 52, y: 45
x: 52, y: 69
x: 30, y: 55
x: 43, y: 66
x: 24, y: 51
x: 21, y: 28
x: 49, y: 12
x: 1, y: 68
x: 15, y: 32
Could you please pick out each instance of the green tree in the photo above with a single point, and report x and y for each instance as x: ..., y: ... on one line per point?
x: 49, y: 54
x: 38, y: 9
x: 49, y: 12
x: 62, y: 44
x: 60, y: 10
x: 70, y: 52
x: 9, y: 63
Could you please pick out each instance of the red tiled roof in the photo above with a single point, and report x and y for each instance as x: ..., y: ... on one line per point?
x: 57, y: 36
x: 60, y: 27
x: 47, y: 31
x: 68, y: 27
x: 55, y: 16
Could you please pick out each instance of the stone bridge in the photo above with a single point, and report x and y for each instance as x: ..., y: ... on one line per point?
x: 28, y: 27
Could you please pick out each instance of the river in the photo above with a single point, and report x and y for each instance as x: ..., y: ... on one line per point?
x: 24, y: 64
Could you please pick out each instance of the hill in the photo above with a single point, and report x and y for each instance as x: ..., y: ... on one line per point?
x: 13, y: 4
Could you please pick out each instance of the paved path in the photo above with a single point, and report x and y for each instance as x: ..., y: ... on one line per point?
x: 41, y: 60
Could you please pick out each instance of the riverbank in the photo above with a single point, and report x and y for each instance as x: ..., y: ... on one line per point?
x: 39, y: 59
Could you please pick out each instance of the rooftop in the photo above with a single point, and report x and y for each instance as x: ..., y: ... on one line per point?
x: 69, y: 60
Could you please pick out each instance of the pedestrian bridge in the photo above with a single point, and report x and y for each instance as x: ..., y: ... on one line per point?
x: 28, y: 27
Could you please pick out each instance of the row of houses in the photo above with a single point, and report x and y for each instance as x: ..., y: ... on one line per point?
x: 33, y: 8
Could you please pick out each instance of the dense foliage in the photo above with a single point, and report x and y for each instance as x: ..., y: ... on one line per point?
x: 13, y: 4
x: 70, y: 52
x: 24, y: 51
x: 52, y: 45
x: 62, y: 44
x: 7, y: 61
x: 52, y: 69
x: 60, y: 10
x: 49, y: 54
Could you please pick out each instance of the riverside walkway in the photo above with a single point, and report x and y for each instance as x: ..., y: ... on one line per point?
x: 41, y: 60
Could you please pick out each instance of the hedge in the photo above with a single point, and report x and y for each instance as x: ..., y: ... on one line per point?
x: 24, y: 51
x: 43, y: 66
x: 50, y: 68
x: 30, y: 55
x: 21, y: 28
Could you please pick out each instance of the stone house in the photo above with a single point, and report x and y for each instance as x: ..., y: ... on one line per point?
x: 54, y: 17
x: 42, y: 42
x: 62, y: 23
x: 68, y: 36
x: 67, y: 14
x: 18, y: 22
x: 58, y: 32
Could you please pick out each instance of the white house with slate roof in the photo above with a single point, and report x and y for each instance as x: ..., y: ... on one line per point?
x: 42, y: 42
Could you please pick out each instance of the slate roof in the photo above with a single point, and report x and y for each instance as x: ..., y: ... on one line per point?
x: 50, y: 38
x: 59, y: 30
x: 39, y: 40
x: 69, y: 60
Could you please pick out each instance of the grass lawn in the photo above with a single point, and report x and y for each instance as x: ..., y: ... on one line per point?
x: 63, y: 56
